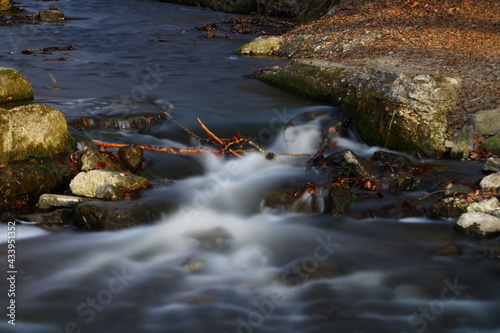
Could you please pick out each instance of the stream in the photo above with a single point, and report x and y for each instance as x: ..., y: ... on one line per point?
x: 221, y: 262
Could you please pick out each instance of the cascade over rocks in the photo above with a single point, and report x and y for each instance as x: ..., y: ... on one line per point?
x: 396, y: 107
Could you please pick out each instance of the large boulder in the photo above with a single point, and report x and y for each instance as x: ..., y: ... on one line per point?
x: 13, y: 85
x: 263, y: 45
x: 32, y: 130
x: 107, y: 184
x: 396, y: 107
x: 479, y: 224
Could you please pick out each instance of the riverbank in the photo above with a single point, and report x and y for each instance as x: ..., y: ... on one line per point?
x: 451, y: 37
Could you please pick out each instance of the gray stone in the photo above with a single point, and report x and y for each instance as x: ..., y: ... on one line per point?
x: 51, y: 15
x: 263, y: 45
x: 452, y: 188
x: 396, y: 107
x: 490, y: 181
x: 103, y: 184
x: 496, y: 213
x: 479, y: 224
x: 23, y: 183
x: 484, y: 206
x: 58, y: 200
x: 492, y: 164
x: 463, y: 143
x: 486, y: 122
x: 14, y: 86
x: 131, y: 156
x: 492, y: 145
x: 32, y: 130
x: 92, y: 159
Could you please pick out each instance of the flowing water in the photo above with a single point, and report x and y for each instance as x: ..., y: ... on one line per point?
x: 221, y: 262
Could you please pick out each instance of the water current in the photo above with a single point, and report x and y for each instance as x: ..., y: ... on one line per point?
x: 263, y: 271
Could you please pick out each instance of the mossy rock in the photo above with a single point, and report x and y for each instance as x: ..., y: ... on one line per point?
x: 4, y: 4
x: 32, y: 131
x: 14, y: 86
x: 263, y: 45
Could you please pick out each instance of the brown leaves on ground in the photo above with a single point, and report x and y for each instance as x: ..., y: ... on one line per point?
x: 452, y: 37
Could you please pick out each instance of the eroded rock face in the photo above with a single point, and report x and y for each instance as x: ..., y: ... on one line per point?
x: 396, y: 107
x: 107, y: 184
x: 13, y: 85
x: 32, y: 130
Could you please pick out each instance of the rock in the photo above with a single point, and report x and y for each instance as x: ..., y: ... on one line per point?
x: 346, y: 164
x: 131, y: 157
x: 58, y: 200
x: 479, y: 225
x: 452, y: 188
x: 14, y: 86
x: 93, y: 159
x: 23, y: 183
x: 449, y: 207
x: 59, y: 216
x: 396, y: 162
x: 492, y: 145
x: 492, y: 164
x: 487, y: 206
x: 4, y: 4
x: 115, y: 215
x: 215, y: 239
x: 490, y: 181
x: 396, y: 107
x: 463, y: 143
x: 263, y: 45
x: 107, y: 184
x: 51, y: 15
x: 486, y: 122
x: 125, y: 121
x: 32, y: 130
x: 449, y: 250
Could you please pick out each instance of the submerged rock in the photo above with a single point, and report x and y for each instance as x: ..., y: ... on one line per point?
x: 32, y: 130
x: 14, y: 86
x: 107, y: 184
x: 346, y: 164
x: 479, y: 225
x: 51, y: 15
x: 396, y: 107
x: 117, y: 215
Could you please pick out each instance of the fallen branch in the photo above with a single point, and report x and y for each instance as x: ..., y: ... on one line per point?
x: 169, y: 150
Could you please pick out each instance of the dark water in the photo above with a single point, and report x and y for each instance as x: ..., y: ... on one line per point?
x: 271, y: 272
